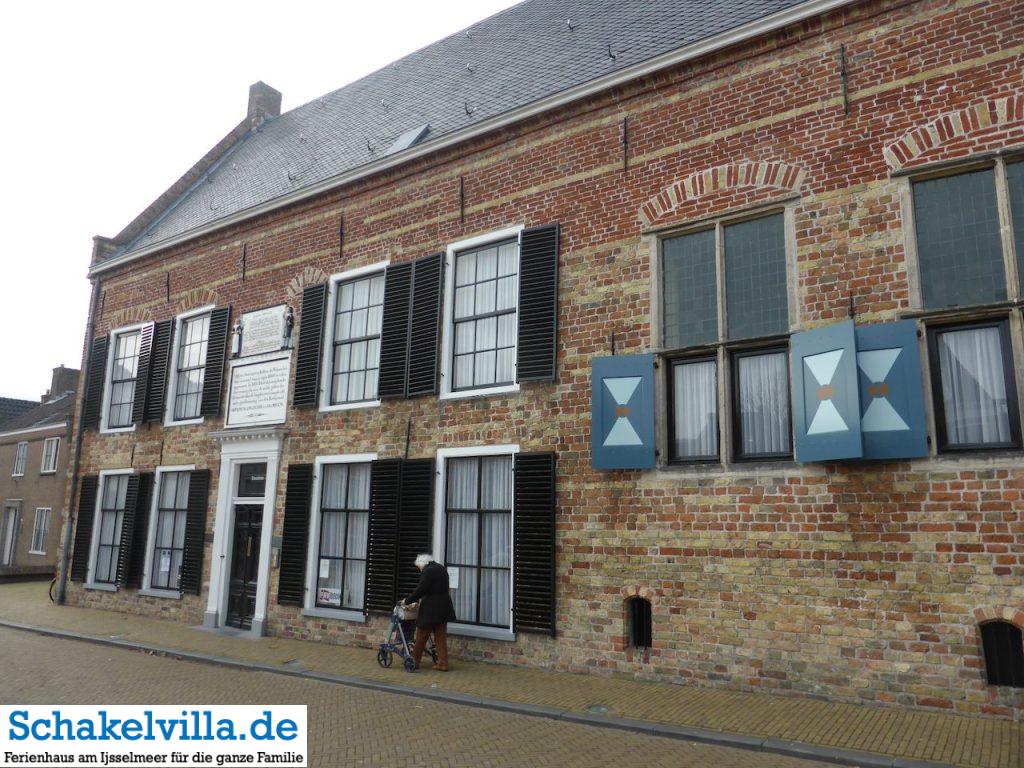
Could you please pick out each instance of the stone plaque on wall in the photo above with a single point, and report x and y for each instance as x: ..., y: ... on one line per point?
x: 258, y: 393
x: 263, y: 330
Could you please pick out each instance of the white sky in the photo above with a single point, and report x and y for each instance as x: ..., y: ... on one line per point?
x: 106, y: 104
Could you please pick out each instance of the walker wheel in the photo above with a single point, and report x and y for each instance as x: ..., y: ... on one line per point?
x: 384, y: 657
x: 433, y: 654
x: 410, y: 664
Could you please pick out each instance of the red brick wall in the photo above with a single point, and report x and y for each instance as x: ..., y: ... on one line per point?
x: 855, y: 581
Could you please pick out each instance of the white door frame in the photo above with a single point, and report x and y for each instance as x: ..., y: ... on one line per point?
x: 242, y: 446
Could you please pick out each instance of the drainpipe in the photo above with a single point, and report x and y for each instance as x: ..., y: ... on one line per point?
x: 62, y: 566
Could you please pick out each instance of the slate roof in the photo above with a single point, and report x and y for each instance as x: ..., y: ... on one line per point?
x: 11, y: 408
x: 505, y: 62
x: 56, y: 411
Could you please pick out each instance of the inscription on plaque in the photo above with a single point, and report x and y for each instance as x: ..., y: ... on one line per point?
x: 258, y: 393
x: 263, y: 330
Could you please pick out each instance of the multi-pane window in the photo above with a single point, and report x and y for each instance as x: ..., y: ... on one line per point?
x: 51, y: 446
x: 194, y: 334
x: 722, y: 285
x: 40, y: 530
x: 344, y: 528
x: 484, y: 316
x: 478, y: 540
x: 20, y: 459
x: 108, y: 534
x: 963, y: 261
x: 124, y: 368
x: 359, y: 308
x: 169, y: 534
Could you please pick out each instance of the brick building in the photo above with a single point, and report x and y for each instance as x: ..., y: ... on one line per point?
x: 464, y: 238
x: 34, y: 450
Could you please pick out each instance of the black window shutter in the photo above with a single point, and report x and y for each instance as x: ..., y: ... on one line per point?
x: 83, y: 527
x: 538, y: 303
x: 195, y: 532
x: 424, y: 325
x: 142, y: 373
x: 382, y: 548
x: 137, y: 560
x: 311, y: 340
x: 94, y: 386
x: 414, y: 518
x: 159, y: 364
x: 124, y: 551
x: 394, y: 334
x: 534, y: 546
x: 216, y: 351
x: 297, y: 499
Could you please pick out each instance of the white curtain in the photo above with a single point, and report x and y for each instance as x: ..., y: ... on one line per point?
x: 974, y: 387
x: 335, y: 486
x: 764, y: 403
x: 694, y: 404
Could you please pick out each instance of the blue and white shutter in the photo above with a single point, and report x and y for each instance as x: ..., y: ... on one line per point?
x: 622, y: 412
x: 826, y: 401
x: 891, y: 391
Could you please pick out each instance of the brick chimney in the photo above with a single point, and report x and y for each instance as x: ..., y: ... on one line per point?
x: 264, y: 103
x: 64, y: 380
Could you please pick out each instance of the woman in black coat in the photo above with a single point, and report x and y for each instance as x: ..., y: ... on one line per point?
x: 436, y: 610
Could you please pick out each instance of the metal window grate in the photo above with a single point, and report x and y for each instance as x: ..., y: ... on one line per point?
x: 755, y: 277
x: 690, y: 290
x: 1003, y: 646
x: 640, y: 622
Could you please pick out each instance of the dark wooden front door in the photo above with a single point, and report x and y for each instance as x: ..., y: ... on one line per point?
x: 245, y: 558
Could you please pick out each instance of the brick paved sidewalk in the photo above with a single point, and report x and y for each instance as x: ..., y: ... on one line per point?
x: 937, y: 737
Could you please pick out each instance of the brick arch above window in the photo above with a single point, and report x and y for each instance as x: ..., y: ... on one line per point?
x: 953, y: 127
x: 1014, y: 615
x: 745, y: 174
x: 195, y: 298
x: 308, y: 276
x: 628, y: 593
x: 128, y: 316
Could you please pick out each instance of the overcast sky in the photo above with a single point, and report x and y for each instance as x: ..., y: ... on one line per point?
x: 106, y: 104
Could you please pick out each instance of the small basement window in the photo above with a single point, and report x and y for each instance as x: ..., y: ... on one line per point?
x: 1004, y: 653
x: 639, y: 615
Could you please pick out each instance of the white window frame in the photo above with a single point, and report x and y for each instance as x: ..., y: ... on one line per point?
x: 448, y: 332
x: 309, y: 606
x: 172, y: 369
x: 32, y: 550
x: 154, y: 505
x: 90, y: 583
x: 43, y: 469
x: 439, y: 532
x: 111, y: 345
x: 20, y: 459
x: 327, y: 361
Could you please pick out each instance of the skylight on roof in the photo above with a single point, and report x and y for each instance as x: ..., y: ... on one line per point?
x: 407, y: 139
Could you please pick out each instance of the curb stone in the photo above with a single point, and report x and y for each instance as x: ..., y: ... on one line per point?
x: 797, y: 749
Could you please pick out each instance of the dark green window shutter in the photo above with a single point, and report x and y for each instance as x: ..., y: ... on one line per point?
x: 140, y: 535
x: 195, y: 532
x: 297, y: 499
x: 216, y: 351
x: 142, y: 374
x: 311, y: 340
x: 394, y: 334
x: 83, y: 526
x: 124, y: 551
x: 382, y: 548
x: 533, y: 602
x: 159, y: 364
x: 424, y: 325
x: 538, y: 304
x: 416, y: 502
x: 93, y: 402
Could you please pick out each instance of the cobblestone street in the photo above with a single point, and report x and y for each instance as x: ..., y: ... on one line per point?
x: 347, y: 727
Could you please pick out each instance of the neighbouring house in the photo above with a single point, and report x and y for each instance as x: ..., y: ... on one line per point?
x: 688, y: 335
x: 33, y: 478
x: 11, y: 407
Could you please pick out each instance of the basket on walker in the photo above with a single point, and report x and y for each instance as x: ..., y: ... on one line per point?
x: 402, y: 630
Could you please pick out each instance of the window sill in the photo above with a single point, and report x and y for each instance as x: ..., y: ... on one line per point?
x: 481, y: 392
x: 185, y: 422
x: 485, y: 633
x: 116, y: 430
x: 36, y: 552
x: 350, y: 406
x: 18, y: 475
x: 100, y: 587
x: 166, y: 594
x: 48, y: 472
x: 335, y: 613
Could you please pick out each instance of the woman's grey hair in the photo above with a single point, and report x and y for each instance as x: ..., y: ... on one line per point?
x: 422, y: 560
